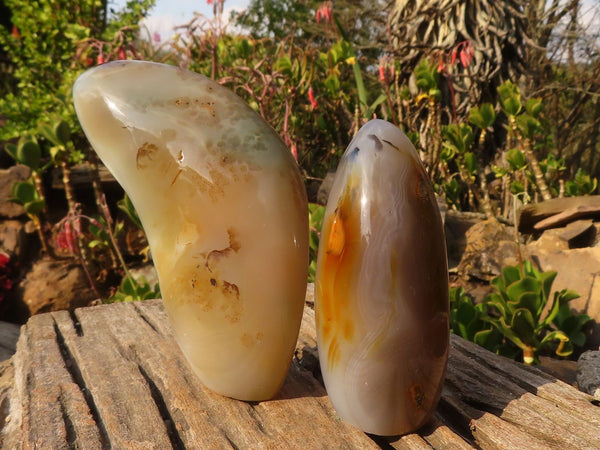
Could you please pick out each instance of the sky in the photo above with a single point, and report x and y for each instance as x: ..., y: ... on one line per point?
x: 167, y: 14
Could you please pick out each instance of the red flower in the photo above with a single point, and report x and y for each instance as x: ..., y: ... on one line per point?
x: 311, y: 98
x: 325, y: 12
x: 15, y: 32
x: 382, y: 73
x: 100, y: 59
x: 6, y: 275
x: 441, y: 65
x: 294, y: 150
x: 66, y: 237
x: 466, y: 54
x: 122, y: 54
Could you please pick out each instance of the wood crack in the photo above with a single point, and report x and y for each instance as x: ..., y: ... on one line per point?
x: 69, y: 427
x: 77, y: 378
x: 76, y: 323
x: 255, y: 415
x: 145, y: 318
x: 173, y: 433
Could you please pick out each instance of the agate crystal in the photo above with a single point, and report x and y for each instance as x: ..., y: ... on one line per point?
x: 224, y: 209
x: 382, y: 286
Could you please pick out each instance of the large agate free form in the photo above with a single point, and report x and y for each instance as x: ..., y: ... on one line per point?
x: 224, y: 209
x: 382, y: 286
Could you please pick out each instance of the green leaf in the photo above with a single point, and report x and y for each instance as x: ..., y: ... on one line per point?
x: 11, y: 149
x: 35, y: 207
x: 284, y: 65
x: 369, y: 112
x: 24, y: 192
x: 516, y: 159
x: 360, y: 86
x: 470, y: 162
x: 332, y: 83
x: 523, y: 326
x: 518, y: 288
x: 426, y: 76
x: 566, y: 295
x: 483, y: 116
x: 95, y: 243
x: 528, y: 125
x: 510, y: 274
x: 534, y: 106
x: 62, y: 131
x: 510, y: 98
x: 487, y: 338
x: 48, y: 133
x: 547, y: 278
x: 501, y: 325
x: 29, y: 153
x: 126, y: 205
x: 554, y: 310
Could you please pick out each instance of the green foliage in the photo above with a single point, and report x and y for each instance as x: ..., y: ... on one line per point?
x: 127, y: 207
x: 48, y: 52
x: 466, y: 320
x: 315, y: 222
x: 581, y: 184
x: 27, y: 151
x: 510, y: 98
x: 25, y: 193
x: 427, y: 79
x: 132, y: 290
x: 457, y: 140
x: 483, y: 116
x: 520, y: 317
x: 101, y: 240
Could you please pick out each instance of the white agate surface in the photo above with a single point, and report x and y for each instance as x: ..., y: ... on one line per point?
x: 224, y: 209
x: 382, y: 305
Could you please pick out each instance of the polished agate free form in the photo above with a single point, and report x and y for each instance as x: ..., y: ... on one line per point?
x: 382, y: 286
x: 224, y: 209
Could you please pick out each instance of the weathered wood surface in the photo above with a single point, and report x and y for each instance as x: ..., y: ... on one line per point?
x: 112, y: 377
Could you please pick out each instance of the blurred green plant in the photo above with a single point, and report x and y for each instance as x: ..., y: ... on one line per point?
x: 466, y: 320
x: 127, y: 207
x: 520, y: 319
x: 132, y: 289
x: 316, y: 213
x: 27, y: 195
x: 581, y: 184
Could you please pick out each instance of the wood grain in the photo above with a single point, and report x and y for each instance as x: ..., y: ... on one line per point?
x: 112, y: 377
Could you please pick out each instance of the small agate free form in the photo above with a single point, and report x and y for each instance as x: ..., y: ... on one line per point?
x: 381, y: 286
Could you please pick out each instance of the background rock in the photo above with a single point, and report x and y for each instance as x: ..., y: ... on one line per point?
x: 490, y: 246
x: 588, y: 373
x: 8, y: 177
x: 578, y: 270
x: 55, y: 285
x: 16, y: 242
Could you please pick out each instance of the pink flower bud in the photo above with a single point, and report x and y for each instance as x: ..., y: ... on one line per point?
x: 382, y: 73
x: 311, y: 98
